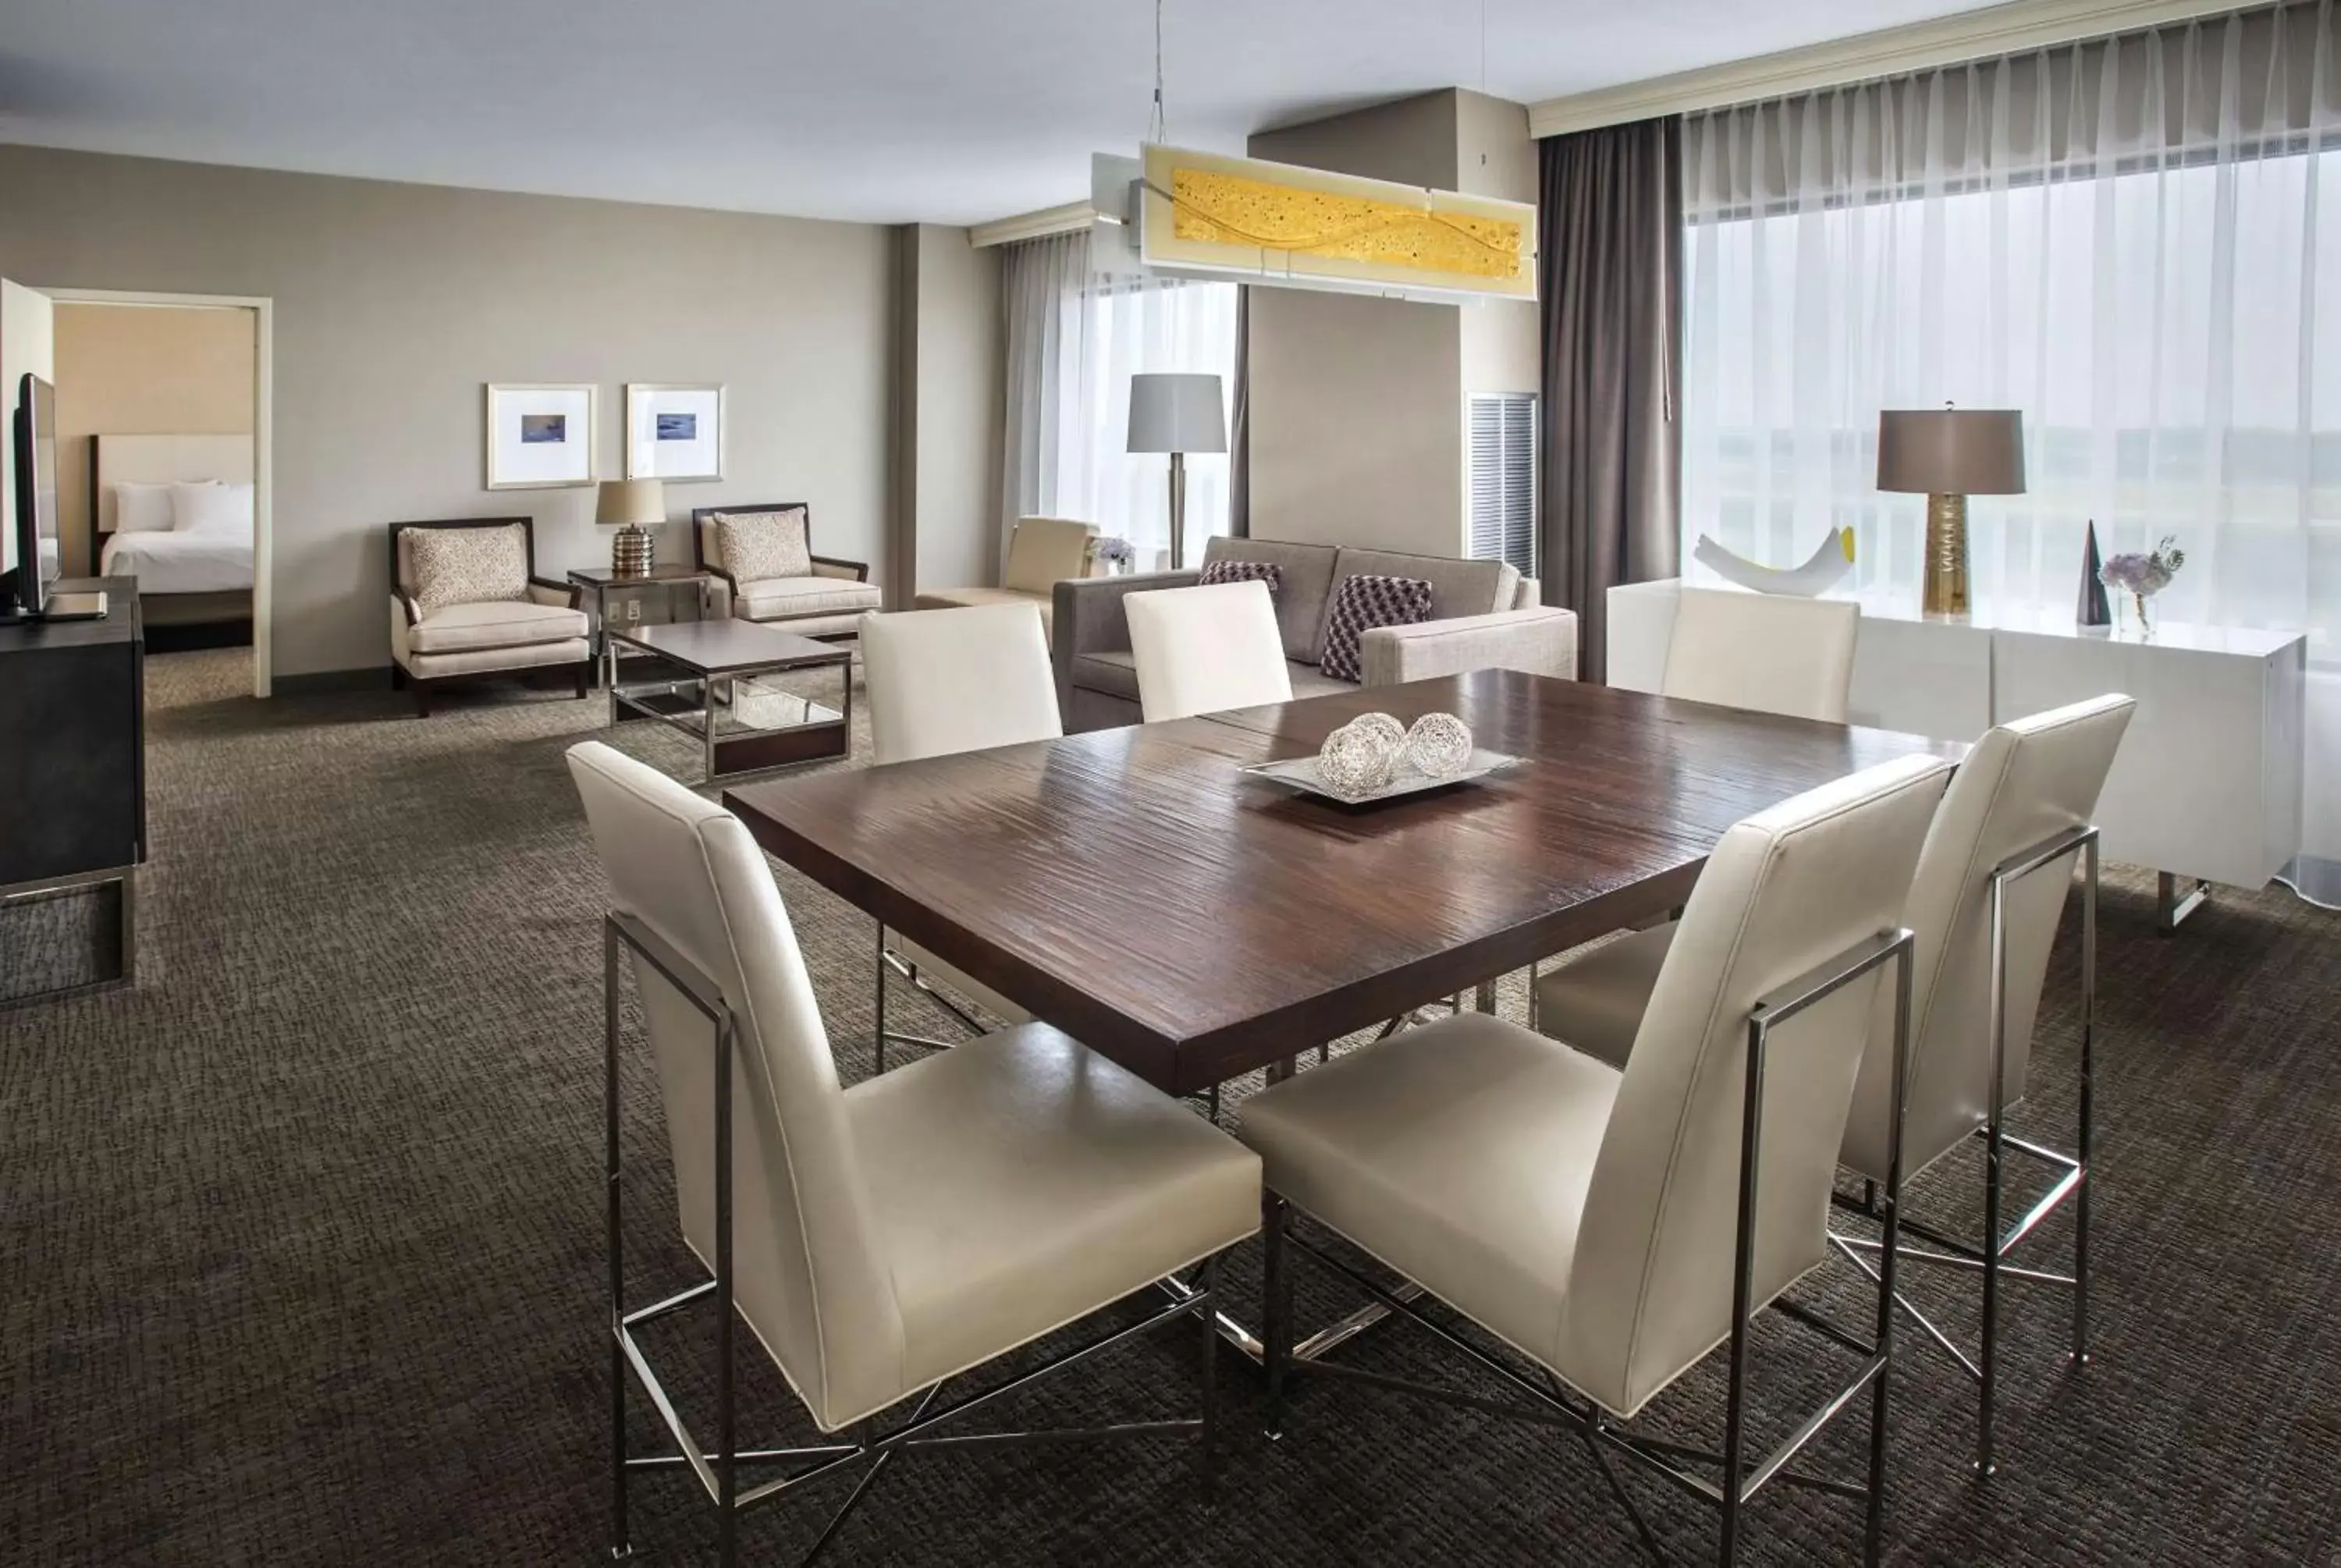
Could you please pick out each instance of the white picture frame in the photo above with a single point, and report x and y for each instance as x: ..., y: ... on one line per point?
x: 539, y: 434
x: 674, y: 431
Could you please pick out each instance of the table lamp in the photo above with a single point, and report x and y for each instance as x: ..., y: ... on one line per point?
x: 1177, y: 413
x: 629, y: 505
x: 1947, y: 455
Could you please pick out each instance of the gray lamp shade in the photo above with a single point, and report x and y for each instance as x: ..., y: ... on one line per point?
x: 1181, y: 412
x: 1951, y: 452
x: 629, y: 503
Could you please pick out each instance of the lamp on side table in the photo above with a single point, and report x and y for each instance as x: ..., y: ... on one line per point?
x: 630, y: 506
x: 1948, y: 454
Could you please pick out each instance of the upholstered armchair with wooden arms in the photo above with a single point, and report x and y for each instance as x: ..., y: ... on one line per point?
x: 778, y: 580
x: 466, y: 604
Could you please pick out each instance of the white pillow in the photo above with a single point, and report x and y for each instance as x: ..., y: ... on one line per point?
x: 141, y: 507
x: 221, y: 508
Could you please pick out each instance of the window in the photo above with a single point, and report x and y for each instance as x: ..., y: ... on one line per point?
x: 1503, y: 478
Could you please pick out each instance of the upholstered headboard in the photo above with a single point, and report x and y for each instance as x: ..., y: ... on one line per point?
x: 158, y: 460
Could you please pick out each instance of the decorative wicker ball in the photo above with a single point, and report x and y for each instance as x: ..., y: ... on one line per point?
x: 1357, y: 758
x: 1438, y: 746
x: 1381, y: 724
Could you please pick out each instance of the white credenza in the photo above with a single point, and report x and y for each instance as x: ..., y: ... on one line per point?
x: 2208, y: 785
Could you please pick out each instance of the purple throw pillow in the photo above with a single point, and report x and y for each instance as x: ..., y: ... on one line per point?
x: 1266, y: 572
x: 1361, y: 603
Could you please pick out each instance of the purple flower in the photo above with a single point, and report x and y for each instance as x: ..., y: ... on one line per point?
x: 1115, y: 551
x: 2147, y: 574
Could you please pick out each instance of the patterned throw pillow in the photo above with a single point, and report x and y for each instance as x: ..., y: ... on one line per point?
x: 1361, y: 603
x: 758, y: 545
x: 1266, y: 572
x: 467, y: 565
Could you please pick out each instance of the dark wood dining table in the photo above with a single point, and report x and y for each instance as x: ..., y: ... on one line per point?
x: 1135, y: 888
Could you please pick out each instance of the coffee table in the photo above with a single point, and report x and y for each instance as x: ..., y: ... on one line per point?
x: 713, y: 682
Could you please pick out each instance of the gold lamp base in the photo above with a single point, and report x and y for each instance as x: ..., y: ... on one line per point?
x: 633, y: 552
x: 1946, y: 561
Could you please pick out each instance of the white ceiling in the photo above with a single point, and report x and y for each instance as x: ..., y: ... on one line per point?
x: 945, y: 111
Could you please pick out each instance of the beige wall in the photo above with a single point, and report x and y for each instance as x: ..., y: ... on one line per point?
x: 394, y: 304
x: 26, y: 342
x: 960, y: 391
x: 1357, y: 402
x: 136, y: 369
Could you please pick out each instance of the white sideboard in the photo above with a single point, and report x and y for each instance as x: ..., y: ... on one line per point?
x: 2208, y: 785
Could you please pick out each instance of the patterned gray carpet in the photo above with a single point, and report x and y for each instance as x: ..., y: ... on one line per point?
x: 302, y: 1237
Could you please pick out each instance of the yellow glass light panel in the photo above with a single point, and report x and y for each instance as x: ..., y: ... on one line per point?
x: 1208, y: 213
x: 1236, y: 210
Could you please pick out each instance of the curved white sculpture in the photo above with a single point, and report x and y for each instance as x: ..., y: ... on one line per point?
x: 1818, y: 574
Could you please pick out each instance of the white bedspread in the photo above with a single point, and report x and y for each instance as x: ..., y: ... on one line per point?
x: 180, y: 562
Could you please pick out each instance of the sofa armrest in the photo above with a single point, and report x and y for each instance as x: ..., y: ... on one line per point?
x: 1541, y: 641
x: 565, y: 595
x: 1087, y: 617
x: 831, y: 566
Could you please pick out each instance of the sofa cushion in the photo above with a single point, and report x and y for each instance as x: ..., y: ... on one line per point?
x: 493, y: 623
x: 759, y: 545
x: 1113, y: 671
x: 1309, y: 680
x: 770, y: 598
x: 466, y: 565
x: 1457, y: 587
x: 1305, y: 577
x: 1267, y: 572
x: 1364, y: 601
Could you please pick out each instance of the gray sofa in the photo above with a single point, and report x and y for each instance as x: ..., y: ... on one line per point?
x: 1484, y: 616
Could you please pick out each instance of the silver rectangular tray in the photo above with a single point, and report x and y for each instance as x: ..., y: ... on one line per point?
x: 1301, y: 772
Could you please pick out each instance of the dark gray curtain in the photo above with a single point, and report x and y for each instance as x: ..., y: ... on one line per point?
x: 1239, y: 423
x: 1609, y: 275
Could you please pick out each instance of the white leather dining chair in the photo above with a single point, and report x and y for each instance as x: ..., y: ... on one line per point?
x: 1769, y: 652
x: 878, y: 1240
x: 1990, y: 889
x: 1206, y: 649
x: 942, y: 682
x: 1616, y: 1227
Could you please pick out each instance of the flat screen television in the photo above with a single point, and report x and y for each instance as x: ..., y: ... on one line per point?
x: 38, y: 547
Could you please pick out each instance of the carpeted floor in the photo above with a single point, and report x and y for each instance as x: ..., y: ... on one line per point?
x: 300, y: 1240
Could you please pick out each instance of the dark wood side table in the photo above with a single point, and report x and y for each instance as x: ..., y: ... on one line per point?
x: 73, y: 771
x: 712, y: 683
x: 624, y: 600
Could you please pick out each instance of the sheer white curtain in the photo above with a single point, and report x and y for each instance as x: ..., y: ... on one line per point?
x: 1073, y: 343
x: 2137, y: 242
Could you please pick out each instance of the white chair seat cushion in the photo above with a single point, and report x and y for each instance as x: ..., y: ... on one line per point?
x: 1595, y: 1003
x: 1020, y: 1181
x: 769, y: 597
x: 1458, y: 1153
x: 953, y: 980
x: 495, y: 623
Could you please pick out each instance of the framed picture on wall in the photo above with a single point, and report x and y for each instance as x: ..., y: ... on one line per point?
x: 540, y: 436
x: 673, y: 432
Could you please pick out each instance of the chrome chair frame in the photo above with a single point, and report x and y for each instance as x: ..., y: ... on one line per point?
x: 1550, y: 1405
x: 2073, y: 1178
x: 718, y: 1475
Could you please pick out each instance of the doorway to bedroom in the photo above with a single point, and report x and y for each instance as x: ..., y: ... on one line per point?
x: 160, y: 444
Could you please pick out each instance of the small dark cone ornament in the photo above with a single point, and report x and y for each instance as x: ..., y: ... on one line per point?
x: 2092, y: 610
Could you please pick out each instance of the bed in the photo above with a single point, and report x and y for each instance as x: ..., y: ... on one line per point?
x: 194, y: 589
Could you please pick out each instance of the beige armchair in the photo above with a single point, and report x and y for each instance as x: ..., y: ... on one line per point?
x: 826, y: 605
x: 466, y: 604
x: 1042, y: 552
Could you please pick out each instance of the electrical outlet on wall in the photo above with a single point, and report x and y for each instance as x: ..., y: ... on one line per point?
x: 633, y: 609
